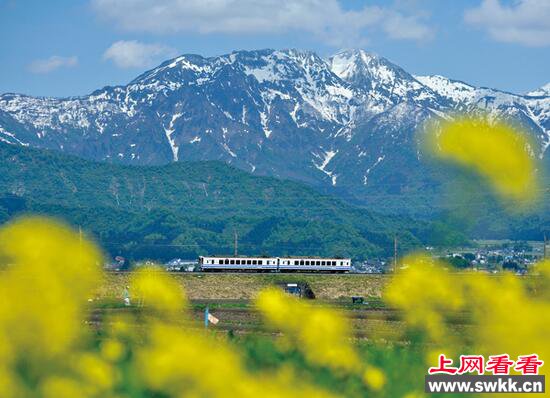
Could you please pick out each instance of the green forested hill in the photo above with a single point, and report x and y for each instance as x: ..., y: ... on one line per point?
x: 191, y: 208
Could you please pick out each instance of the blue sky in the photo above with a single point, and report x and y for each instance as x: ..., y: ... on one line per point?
x: 62, y: 48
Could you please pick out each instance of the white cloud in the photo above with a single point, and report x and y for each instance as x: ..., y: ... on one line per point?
x: 133, y: 54
x: 325, y: 19
x: 52, y: 63
x: 525, y: 22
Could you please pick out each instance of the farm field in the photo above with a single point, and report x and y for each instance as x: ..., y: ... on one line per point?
x: 230, y: 298
x: 232, y: 286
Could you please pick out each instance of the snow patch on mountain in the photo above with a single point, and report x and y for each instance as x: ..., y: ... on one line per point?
x: 542, y: 91
x: 367, y: 172
x: 454, y: 90
x: 169, y: 131
x: 325, y: 160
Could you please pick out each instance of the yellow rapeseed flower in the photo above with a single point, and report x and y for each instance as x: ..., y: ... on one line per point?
x: 374, y: 378
x: 426, y: 292
x: 321, y: 333
x: 48, y: 273
x: 497, y: 151
x: 151, y: 287
x: 190, y: 364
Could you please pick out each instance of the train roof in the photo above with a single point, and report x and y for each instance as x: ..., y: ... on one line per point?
x: 285, y: 257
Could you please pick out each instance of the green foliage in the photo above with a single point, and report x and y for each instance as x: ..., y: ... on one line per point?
x: 459, y: 262
x: 193, y: 208
x: 512, y: 265
x: 403, y: 366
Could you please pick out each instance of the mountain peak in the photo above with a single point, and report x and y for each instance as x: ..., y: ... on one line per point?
x: 368, y: 69
x: 355, y: 64
x: 542, y: 91
x: 386, y: 83
x: 454, y: 90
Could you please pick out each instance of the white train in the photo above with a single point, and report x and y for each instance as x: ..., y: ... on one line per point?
x: 284, y: 264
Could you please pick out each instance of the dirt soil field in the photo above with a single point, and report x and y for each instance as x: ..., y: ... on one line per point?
x: 222, y: 286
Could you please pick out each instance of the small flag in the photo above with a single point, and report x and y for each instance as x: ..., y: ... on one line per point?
x: 212, y: 319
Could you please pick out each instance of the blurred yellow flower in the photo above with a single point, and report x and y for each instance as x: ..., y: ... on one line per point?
x: 188, y: 364
x: 497, y: 151
x: 112, y: 350
x: 506, y: 316
x: 426, y: 292
x: 321, y: 333
x: 152, y: 287
x: 374, y: 378
x: 48, y: 272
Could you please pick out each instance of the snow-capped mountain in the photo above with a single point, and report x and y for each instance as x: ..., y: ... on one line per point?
x: 532, y: 110
x: 541, y: 92
x: 386, y: 84
x: 346, y: 124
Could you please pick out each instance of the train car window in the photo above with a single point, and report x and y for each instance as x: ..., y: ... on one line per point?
x: 249, y: 262
x: 232, y: 261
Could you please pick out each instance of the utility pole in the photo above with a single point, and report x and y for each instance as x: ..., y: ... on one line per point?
x: 544, y: 249
x: 236, y: 243
x: 79, y: 242
x: 395, y: 253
